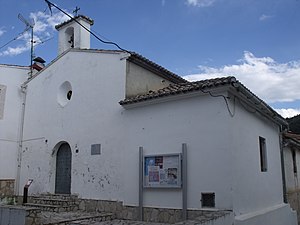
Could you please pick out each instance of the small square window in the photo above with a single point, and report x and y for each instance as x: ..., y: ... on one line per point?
x: 263, y: 154
x: 208, y: 200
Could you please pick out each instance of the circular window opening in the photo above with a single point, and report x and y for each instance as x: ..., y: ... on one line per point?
x: 64, y: 93
x: 69, y: 95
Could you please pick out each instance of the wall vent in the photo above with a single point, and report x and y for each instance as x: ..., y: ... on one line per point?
x: 208, y: 200
x: 96, y: 149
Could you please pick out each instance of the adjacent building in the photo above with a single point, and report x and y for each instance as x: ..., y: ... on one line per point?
x: 291, y: 144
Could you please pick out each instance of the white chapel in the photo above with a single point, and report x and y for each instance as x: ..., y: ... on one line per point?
x: 112, y: 125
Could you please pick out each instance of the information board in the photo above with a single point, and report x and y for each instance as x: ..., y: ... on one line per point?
x: 162, y: 171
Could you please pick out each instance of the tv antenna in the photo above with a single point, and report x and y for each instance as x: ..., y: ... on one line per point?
x: 29, y: 25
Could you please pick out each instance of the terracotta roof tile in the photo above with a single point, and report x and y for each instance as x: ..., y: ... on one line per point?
x: 152, y: 66
x: 290, y: 135
x: 181, y: 88
x: 291, y: 139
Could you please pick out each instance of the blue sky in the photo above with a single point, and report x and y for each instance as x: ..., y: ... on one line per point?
x: 258, y: 41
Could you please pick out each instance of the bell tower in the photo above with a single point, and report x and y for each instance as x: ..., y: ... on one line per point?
x: 72, y: 35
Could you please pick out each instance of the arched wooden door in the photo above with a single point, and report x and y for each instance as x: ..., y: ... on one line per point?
x: 63, y: 169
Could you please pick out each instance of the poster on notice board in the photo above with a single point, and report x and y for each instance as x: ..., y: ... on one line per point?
x: 162, y: 171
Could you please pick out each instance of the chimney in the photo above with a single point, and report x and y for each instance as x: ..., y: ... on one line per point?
x: 38, y: 64
x: 73, y: 35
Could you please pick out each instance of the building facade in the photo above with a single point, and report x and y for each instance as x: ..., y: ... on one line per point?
x: 89, y: 115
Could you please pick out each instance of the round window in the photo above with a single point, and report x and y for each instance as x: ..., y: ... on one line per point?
x: 64, y: 93
x: 69, y: 95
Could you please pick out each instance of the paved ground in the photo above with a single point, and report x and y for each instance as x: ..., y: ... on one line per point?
x: 50, y: 217
x: 84, y: 218
x: 118, y: 222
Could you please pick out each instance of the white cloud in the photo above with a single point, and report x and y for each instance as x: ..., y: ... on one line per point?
x: 270, y: 80
x: 2, y: 31
x: 43, y: 29
x: 14, y: 51
x: 200, y: 3
x: 264, y: 17
x: 287, y: 113
x: 45, y: 21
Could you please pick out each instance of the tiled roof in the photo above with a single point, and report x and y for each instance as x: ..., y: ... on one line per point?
x: 205, y: 86
x: 291, y: 139
x: 293, y: 136
x: 87, y: 19
x: 17, y: 66
x: 182, y: 88
x: 159, y: 70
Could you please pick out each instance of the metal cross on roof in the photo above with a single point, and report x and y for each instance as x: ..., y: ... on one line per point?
x: 76, y: 11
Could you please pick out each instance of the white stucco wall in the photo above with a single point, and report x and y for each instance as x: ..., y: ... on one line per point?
x: 98, y: 83
x: 255, y: 190
x: 11, y: 77
x: 162, y: 128
x: 94, y: 116
x: 141, y: 81
x: 223, y: 151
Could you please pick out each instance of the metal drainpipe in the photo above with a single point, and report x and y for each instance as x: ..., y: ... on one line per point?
x: 282, y: 167
x: 20, y: 141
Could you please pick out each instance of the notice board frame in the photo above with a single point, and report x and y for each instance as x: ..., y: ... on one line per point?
x: 162, y: 171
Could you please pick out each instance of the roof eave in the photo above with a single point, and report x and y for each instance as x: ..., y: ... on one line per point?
x: 259, y: 105
x: 85, y: 18
x: 172, y: 97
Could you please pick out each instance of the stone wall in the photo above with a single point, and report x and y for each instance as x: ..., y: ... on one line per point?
x: 32, y: 216
x: 159, y: 215
x: 7, y: 187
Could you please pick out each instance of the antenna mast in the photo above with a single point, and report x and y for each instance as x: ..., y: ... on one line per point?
x: 29, y: 26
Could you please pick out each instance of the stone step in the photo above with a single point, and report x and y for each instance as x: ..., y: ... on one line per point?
x: 47, y: 201
x: 52, y: 208
x: 72, y: 197
x: 69, y: 218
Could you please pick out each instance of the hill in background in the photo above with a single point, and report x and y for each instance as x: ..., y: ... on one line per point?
x: 294, y: 124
